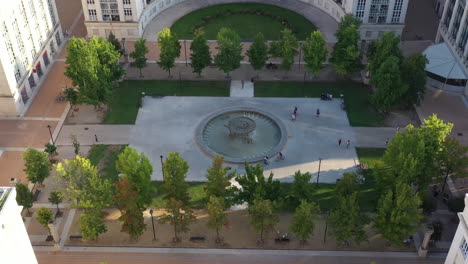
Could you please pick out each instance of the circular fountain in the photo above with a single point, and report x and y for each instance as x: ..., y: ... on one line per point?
x: 241, y: 134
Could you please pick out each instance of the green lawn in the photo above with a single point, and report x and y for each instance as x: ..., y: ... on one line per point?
x: 104, y: 157
x: 123, y: 108
x: 196, y: 191
x: 254, y: 18
x: 360, y: 110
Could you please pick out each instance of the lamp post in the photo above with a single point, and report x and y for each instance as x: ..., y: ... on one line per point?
x: 185, y: 52
x: 152, y: 222
x: 300, y: 49
x: 327, y: 214
x: 162, y: 169
x: 50, y: 132
x: 318, y: 173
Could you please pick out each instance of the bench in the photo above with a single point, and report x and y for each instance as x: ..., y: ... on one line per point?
x: 282, y: 240
x: 197, y: 239
x: 76, y: 237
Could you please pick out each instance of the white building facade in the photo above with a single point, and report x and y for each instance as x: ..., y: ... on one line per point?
x: 458, y: 253
x: 129, y: 18
x: 30, y: 36
x: 15, y: 246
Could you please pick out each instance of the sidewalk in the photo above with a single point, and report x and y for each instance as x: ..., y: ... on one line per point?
x: 106, y: 134
x: 373, y: 137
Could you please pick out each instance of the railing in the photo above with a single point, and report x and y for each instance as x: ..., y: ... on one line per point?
x: 4, y: 197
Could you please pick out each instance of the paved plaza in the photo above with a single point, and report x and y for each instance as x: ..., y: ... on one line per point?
x: 168, y: 125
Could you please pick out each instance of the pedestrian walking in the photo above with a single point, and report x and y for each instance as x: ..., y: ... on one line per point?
x: 295, y: 110
x: 318, y: 112
x: 265, y: 160
x: 281, y: 157
x: 293, y: 117
x: 397, y: 129
x: 347, y: 143
x: 339, y: 142
x: 95, y: 137
x: 386, y: 142
x: 252, y: 80
x: 242, y: 84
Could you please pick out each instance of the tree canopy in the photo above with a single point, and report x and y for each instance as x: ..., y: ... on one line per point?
x: 37, y: 165
x: 315, y: 52
x: 126, y: 198
x: 200, y: 56
x: 169, y: 49
x: 345, y: 56
x: 229, y: 50
x: 286, y: 49
x: 413, y: 70
x: 258, y: 52
x: 219, y: 181
x: 303, y: 221
x: 262, y: 217
x: 175, y: 170
x: 301, y: 189
x: 139, y: 55
x: 24, y: 196
x: 217, y: 219
x: 255, y: 186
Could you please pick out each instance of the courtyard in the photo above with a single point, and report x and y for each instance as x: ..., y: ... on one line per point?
x: 169, y: 125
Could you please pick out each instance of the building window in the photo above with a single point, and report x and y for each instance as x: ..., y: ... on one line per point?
x: 24, y: 95
x: 463, y: 37
x: 361, y: 6
x: 127, y: 11
x: 58, y: 39
x: 126, y: 2
x: 368, y: 34
x: 45, y: 58
x: 17, y: 74
x: 32, y: 82
x: 90, y: 2
x: 8, y: 43
x: 52, y: 13
x: 448, y: 15
x: 52, y: 47
x: 110, y: 11
x: 397, y: 11
x: 92, y: 14
x: 456, y: 22
x: 378, y: 11
x: 464, y: 248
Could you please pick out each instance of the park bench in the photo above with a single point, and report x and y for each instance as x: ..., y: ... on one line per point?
x: 75, y: 237
x: 197, y: 239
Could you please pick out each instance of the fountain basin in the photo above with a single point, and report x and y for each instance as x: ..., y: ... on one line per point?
x: 265, y: 135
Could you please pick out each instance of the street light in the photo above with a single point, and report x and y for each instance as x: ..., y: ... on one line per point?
x: 162, y: 169
x: 318, y: 173
x: 50, y: 132
x: 185, y: 52
x: 152, y: 222
x: 327, y: 214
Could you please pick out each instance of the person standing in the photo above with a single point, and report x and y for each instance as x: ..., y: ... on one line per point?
x: 339, y: 142
x: 386, y: 141
x: 348, y: 143
x: 318, y: 112
x: 295, y: 110
x: 293, y: 117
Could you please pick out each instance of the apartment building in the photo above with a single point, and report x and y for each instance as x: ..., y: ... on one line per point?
x: 129, y: 18
x: 15, y: 246
x: 30, y: 35
x: 458, y: 253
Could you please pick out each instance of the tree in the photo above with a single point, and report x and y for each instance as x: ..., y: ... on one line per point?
x: 347, y: 185
x: 414, y: 75
x: 175, y: 170
x: 217, y: 219
x: 381, y: 49
x: 229, y: 50
x: 255, y: 186
x: 200, y: 56
x: 315, y: 52
x: 452, y: 159
x: 139, y: 55
x: 37, y: 165
x: 169, y: 49
x: 92, y: 224
x: 219, y: 181
x: 115, y: 42
x: 71, y: 95
x: 51, y: 151
x: 262, y: 217
x: 411, y: 155
x: 82, y: 186
x: 285, y: 48
x: 44, y: 216
x: 390, y: 89
x: 398, y: 214
x: 56, y: 197
x: 179, y: 216
x: 24, y: 196
x: 95, y: 82
x: 346, y: 222
x: 303, y: 220
x: 131, y: 214
x: 258, y: 52
x: 76, y: 144
x: 137, y: 168
x: 301, y: 189
x: 345, y: 56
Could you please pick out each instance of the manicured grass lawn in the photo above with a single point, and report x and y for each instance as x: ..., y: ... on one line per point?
x: 360, y: 110
x: 246, y: 25
x: 371, y: 156
x: 123, y: 108
x: 104, y: 157
x: 196, y: 192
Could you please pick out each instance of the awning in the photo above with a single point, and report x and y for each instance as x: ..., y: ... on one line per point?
x: 443, y: 63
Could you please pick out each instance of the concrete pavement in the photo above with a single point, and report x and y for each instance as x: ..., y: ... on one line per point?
x: 242, y: 88
x: 106, y: 134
